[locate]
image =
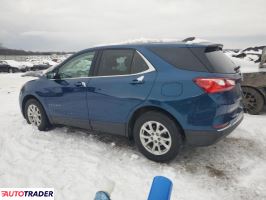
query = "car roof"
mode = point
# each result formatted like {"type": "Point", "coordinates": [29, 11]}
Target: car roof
{"type": "Point", "coordinates": [154, 44]}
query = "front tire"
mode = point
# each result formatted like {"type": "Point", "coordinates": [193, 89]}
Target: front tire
{"type": "Point", "coordinates": [35, 115]}
{"type": "Point", "coordinates": [157, 136]}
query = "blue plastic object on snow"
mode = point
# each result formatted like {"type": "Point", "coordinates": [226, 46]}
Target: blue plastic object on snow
{"type": "Point", "coordinates": [101, 196]}
{"type": "Point", "coordinates": [161, 188]}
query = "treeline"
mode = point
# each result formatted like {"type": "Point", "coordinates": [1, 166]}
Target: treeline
{"type": "Point", "coordinates": [5, 51]}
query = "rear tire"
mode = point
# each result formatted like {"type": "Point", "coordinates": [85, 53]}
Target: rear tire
{"type": "Point", "coordinates": [35, 115]}
{"type": "Point", "coordinates": [253, 101]}
{"type": "Point", "coordinates": [157, 136]}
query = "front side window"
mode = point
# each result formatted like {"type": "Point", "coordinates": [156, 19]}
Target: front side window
{"type": "Point", "coordinates": [77, 67]}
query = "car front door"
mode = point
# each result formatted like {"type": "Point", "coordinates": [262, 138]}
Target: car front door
{"type": "Point", "coordinates": [66, 91]}
{"type": "Point", "coordinates": [122, 80]}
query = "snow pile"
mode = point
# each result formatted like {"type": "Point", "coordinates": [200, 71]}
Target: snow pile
{"type": "Point", "coordinates": [255, 57]}
{"type": "Point", "coordinates": [248, 58]}
{"type": "Point", "coordinates": [14, 63]}
{"type": "Point", "coordinates": [246, 66]}
{"type": "Point", "coordinates": [247, 63]}
{"type": "Point", "coordinates": [193, 40]}
{"type": "Point", "coordinates": [77, 163]}
{"type": "Point", "coordinates": [49, 62]}
{"type": "Point", "coordinates": [31, 61]}
{"type": "Point", "coordinates": [190, 40]}
{"type": "Point", "coordinates": [253, 50]}
{"type": "Point", "coordinates": [140, 41]}
{"type": "Point", "coordinates": [26, 64]}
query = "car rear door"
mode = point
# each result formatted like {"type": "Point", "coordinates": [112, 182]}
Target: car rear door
{"type": "Point", "coordinates": [123, 79]}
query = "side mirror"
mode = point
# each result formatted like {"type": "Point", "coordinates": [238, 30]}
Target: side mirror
{"type": "Point", "coordinates": [52, 75]}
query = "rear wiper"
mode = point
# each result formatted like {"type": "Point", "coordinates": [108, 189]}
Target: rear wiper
{"type": "Point", "coordinates": [237, 68]}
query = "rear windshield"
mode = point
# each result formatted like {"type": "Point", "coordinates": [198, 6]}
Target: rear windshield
{"type": "Point", "coordinates": [181, 58]}
{"type": "Point", "coordinates": [204, 59]}
{"type": "Point", "coordinates": [220, 62]}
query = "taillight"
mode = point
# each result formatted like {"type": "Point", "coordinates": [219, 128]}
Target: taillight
{"type": "Point", "coordinates": [214, 85]}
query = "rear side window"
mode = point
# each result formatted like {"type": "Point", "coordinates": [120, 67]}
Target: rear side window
{"type": "Point", "coordinates": [138, 64]}
{"type": "Point", "coordinates": [115, 62]}
{"type": "Point", "coordinates": [181, 58]}
{"type": "Point", "coordinates": [219, 62]}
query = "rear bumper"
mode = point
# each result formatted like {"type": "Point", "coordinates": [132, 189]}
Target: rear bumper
{"type": "Point", "coordinates": [205, 138]}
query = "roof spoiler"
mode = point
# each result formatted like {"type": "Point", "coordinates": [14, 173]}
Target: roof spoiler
{"type": "Point", "coordinates": [213, 47]}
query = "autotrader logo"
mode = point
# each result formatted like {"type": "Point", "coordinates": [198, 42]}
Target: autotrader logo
{"type": "Point", "coordinates": [26, 193]}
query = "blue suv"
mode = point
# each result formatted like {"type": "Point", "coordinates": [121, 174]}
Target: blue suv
{"type": "Point", "coordinates": [162, 95]}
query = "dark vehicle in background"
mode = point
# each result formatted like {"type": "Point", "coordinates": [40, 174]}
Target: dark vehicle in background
{"type": "Point", "coordinates": [254, 91]}
{"type": "Point", "coordinates": [38, 67]}
{"type": "Point", "coordinates": [6, 67]}
{"type": "Point", "coordinates": [162, 95]}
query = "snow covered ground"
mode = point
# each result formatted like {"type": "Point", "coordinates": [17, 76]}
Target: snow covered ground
{"type": "Point", "coordinates": [77, 163]}
{"type": "Point", "coordinates": [246, 65]}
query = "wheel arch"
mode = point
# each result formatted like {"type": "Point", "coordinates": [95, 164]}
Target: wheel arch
{"type": "Point", "coordinates": [24, 101]}
{"type": "Point", "coordinates": [148, 108]}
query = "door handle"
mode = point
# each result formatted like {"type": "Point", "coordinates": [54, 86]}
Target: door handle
{"type": "Point", "coordinates": [80, 84]}
{"type": "Point", "coordinates": [138, 80]}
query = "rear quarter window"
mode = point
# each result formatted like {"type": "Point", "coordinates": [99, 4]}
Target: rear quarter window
{"type": "Point", "coordinates": [179, 57]}
{"type": "Point", "coordinates": [138, 64]}
{"type": "Point", "coordinates": [219, 62]}
{"type": "Point", "coordinates": [214, 59]}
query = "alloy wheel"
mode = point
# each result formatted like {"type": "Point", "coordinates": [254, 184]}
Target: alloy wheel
{"type": "Point", "coordinates": [155, 138]}
{"type": "Point", "coordinates": [34, 115]}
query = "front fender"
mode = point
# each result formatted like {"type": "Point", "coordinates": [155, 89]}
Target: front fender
{"type": "Point", "coordinates": [28, 91]}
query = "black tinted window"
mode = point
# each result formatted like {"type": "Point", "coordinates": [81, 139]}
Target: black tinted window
{"type": "Point", "coordinates": [115, 62]}
{"type": "Point", "coordinates": [220, 62]}
{"type": "Point", "coordinates": [138, 64]}
{"type": "Point", "coordinates": [181, 58]}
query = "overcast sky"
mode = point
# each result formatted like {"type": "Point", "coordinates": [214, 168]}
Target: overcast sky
{"type": "Point", "coordinates": [67, 25]}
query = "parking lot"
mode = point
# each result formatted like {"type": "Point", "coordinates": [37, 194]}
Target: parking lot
{"type": "Point", "coordinates": [78, 163]}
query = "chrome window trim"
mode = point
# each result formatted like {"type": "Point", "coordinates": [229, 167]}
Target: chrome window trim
{"type": "Point", "coordinates": [150, 66]}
